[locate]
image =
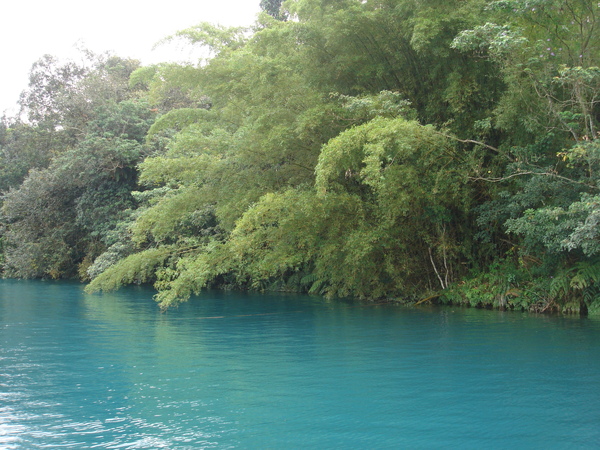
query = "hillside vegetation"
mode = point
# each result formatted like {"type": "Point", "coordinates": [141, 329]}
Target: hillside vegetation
{"type": "Point", "coordinates": [412, 150]}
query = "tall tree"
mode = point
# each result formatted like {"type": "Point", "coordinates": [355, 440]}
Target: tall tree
{"type": "Point", "coordinates": [77, 172]}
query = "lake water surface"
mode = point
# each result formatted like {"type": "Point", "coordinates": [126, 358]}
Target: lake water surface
{"type": "Point", "coordinates": [231, 370]}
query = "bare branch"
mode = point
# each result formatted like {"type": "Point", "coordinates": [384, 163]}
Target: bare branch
{"type": "Point", "coordinates": [519, 174]}
{"type": "Point", "coordinates": [470, 141]}
{"type": "Point", "coordinates": [436, 270]}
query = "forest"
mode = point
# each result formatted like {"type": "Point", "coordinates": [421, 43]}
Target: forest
{"type": "Point", "coordinates": [443, 151]}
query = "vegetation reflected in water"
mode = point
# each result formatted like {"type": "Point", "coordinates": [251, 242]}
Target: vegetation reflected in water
{"type": "Point", "coordinates": [236, 370]}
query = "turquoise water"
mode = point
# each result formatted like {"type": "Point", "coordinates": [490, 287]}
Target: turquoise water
{"type": "Point", "coordinates": [230, 370]}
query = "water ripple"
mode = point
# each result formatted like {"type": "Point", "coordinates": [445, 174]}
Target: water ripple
{"type": "Point", "coordinates": [112, 372]}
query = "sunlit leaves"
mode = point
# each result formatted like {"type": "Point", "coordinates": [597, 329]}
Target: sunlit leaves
{"type": "Point", "coordinates": [135, 269]}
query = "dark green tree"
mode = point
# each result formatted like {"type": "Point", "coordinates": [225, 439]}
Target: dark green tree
{"type": "Point", "coordinates": [273, 8]}
{"type": "Point", "coordinates": [60, 218]}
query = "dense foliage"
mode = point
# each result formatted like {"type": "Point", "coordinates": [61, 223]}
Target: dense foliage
{"type": "Point", "coordinates": [414, 150]}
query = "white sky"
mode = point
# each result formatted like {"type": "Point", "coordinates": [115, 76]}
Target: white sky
{"type": "Point", "coordinates": [128, 28]}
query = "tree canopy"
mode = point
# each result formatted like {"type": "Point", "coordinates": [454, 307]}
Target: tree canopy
{"type": "Point", "coordinates": [386, 149]}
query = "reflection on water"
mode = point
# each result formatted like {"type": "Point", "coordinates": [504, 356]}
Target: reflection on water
{"type": "Point", "coordinates": [231, 370]}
